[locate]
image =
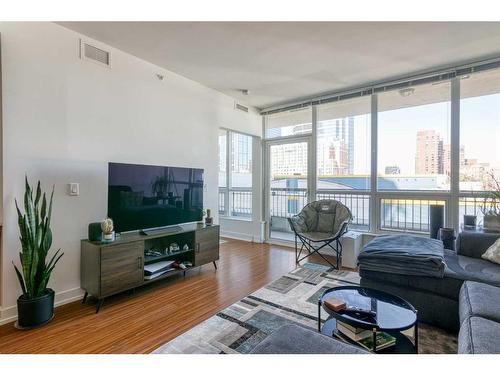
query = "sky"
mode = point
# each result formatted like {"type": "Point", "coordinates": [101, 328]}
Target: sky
{"type": "Point", "coordinates": [480, 132]}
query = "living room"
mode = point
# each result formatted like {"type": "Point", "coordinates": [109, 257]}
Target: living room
{"type": "Point", "coordinates": [194, 186]}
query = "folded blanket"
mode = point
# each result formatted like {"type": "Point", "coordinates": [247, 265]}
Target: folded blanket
{"type": "Point", "coordinates": [405, 255]}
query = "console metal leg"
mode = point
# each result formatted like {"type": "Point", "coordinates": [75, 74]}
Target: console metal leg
{"type": "Point", "coordinates": [215, 264]}
{"type": "Point", "coordinates": [374, 340]}
{"type": "Point", "coordinates": [85, 297]}
{"type": "Point", "coordinates": [99, 305]}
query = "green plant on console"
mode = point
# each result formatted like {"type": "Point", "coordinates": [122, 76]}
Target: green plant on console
{"type": "Point", "coordinates": [36, 240]}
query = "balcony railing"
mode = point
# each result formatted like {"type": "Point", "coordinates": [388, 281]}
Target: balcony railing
{"type": "Point", "coordinates": [409, 214]}
{"type": "Point", "coordinates": [359, 204]}
{"type": "Point", "coordinates": [235, 202]}
{"type": "Point", "coordinates": [475, 205]}
{"type": "Point", "coordinates": [406, 214]}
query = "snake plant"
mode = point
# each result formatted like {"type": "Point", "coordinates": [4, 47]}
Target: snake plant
{"type": "Point", "coordinates": [36, 240]}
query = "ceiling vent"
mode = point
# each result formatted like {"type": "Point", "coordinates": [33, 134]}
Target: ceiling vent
{"type": "Point", "coordinates": [240, 107]}
{"type": "Point", "coordinates": [95, 54]}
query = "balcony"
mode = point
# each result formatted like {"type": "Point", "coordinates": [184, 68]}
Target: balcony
{"type": "Point", "coordinates": [399, 214]}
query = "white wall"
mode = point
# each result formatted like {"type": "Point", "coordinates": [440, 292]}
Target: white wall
{"type": "Point", "coordinates": [64, 119]}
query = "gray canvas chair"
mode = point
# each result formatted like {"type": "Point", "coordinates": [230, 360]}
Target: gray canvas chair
{"type": "Point", "coordinates": [320, 225]}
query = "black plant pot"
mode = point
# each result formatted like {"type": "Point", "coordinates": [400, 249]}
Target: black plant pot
{"type": "Point", "coordinates": [35, 312]}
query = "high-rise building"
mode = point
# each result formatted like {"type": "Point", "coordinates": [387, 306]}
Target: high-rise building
{"type": "Point", "coordinates": [336, 146]}
{"type": "Point", "coordinates": [429, 156]}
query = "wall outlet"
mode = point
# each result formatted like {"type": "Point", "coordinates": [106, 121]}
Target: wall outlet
{"type": "Point", "coordinates": [74, 189]}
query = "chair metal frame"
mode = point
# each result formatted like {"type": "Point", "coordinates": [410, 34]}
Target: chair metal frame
{"type": "Point", "coordinates": [309, 244]}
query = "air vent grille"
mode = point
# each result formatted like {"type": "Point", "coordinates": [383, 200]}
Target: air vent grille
{"type": "Point", "coordinates": [241, 107]}
{"type": "Point", "coordinates": [95, 54]}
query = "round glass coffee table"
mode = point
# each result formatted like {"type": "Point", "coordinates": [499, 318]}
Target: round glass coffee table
{"type": "Point", "coordinates": [389, 314]}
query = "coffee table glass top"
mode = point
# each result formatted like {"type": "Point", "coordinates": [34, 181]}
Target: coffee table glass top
{"type": "Point", "coordinates": [392, 312]}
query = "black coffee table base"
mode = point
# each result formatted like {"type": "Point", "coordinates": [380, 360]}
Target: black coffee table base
{"type": "Point", "coordinates": [403, 343]}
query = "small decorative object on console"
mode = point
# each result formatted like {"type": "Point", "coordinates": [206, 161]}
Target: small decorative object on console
{"type": "Point", "coordinates": [185, 247]}
{"type": "Point", "coordinates": [95, 232]}
{"type": "Point", "coordinates": [174, 247]}
{"type": "Point", "coordinates": [108, 234]}
{"type": "Point", "coordinates": [209, 219]}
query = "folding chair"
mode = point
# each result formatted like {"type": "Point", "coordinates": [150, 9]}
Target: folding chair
{"type": "Point", "coordinates": [320, 225]}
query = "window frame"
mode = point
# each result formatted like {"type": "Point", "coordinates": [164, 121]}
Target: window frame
{"type": "Point", "coordinates": [453, 197]}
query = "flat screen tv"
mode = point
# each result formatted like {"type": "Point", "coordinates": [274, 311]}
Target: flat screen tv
{"type": "Point", "coordinates": [148, 196]}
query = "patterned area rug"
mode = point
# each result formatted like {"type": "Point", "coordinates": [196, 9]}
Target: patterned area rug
{"type": "Point", "coordinates": [293, 299]}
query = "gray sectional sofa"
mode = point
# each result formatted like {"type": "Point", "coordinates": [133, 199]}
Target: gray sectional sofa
{"type": "Point", "coordinates": [467, 299]}
{"type": "Point", "coordinates": [437, 299]}
{"type": "Point", "coordinates": [479, 313]}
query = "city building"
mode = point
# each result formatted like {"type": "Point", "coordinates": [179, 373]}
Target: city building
{"type": "Point", "coordinates": [429, 156]}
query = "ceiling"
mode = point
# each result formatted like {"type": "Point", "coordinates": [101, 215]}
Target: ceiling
{"type": "Point", "coordinates": [280, 62]}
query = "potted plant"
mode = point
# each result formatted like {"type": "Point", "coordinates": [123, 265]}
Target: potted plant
{"type": "Point", "coordinates": [36, 305]}
{"type": "Point", "coordinates": [491, 206]}
{"type": "Point", "coordinates": [107, 227]}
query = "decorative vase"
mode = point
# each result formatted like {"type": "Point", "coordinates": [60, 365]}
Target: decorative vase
{"type": "Point", "coordinates": [35, 312]}
{"type": "Point", "coordinates": [108, 236]}
{"type": "Point", "coordinates": [209, 219]}
{"type": "Point", "coordinates": [491, 223]}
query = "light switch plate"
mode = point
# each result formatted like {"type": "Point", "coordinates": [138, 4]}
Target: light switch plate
{"type": "Point", "coordinates": [74, 189]}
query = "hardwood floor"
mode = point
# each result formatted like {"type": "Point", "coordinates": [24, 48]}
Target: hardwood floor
{"type": "Point", "coordinates": [158, 312]}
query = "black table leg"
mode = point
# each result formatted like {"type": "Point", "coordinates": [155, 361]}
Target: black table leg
{"type": "Point", "coordinates": [374, 340]}
{"type": "Point", "coordinates": [85, 297]}
{"type": "Point", "coordinates": [215, 264]}
{"type": "Point", "coordinates": [416, 336]}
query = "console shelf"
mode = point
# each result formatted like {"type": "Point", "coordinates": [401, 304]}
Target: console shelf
{"type": "Point", "coordinates": [111, 268]}
{"type": "Point", "coordinates": [148, 259]}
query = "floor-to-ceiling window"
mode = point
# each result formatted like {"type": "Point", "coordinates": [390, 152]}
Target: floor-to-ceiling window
{"type": "Point", "coordinates": [393, 150]}
{"type": "Point", "coordinates": [479, 136]}
{"type": "Point", "coordinates": [343, 155]}
{"type": "Point", "coordinates": [413, 153]}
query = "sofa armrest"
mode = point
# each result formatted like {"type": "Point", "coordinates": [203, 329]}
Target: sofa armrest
{"type": "Point", "coordinates": [474, 244]}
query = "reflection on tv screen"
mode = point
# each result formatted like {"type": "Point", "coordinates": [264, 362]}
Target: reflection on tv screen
{"type": "Point", "coordinates": [147, 196]}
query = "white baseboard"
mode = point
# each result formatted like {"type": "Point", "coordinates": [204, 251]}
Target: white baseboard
{"type": "Point", "coordinates": [9, 314]}
{"type": "Point", "coordinates": [239, 236]}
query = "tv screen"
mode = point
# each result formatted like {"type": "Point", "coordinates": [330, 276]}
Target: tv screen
{"type": "Point", "coordinates": [148, 196]}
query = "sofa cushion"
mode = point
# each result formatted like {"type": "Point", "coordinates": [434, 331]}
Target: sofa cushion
{"type": "Point", "coordinates": [479, 336]}
{"type": "Point", "coordinates": [292, 339]}
{"type": "Point", "coordinates": [493, 253]}
{"type": "Point", "coordinates": [478, 299]}
{"type": "Point", "coordinates": [475, 269]}
{"type": "Point", "coordinates": [474, 244]}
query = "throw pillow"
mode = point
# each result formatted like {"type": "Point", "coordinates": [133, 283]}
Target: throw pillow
{"type": "Point", "coordinates": [493, 253]}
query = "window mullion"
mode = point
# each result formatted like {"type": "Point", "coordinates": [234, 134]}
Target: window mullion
{"type": "Point", "coordinates": [374, 203]}
{"type": "Point", "coordinates": [453, 212]}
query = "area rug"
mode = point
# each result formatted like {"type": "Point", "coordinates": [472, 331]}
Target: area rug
{"type": "Point", "coordinates": [293, 299]}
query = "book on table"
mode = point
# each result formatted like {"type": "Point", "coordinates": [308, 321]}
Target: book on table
{"type": "Point", "coordinates": [383, 340]}
{"type": "Point", "coordinates": [364, 337]}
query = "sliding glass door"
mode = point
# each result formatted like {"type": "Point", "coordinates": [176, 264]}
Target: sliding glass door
{"type": "Point", "coordinates": [288, 183]}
